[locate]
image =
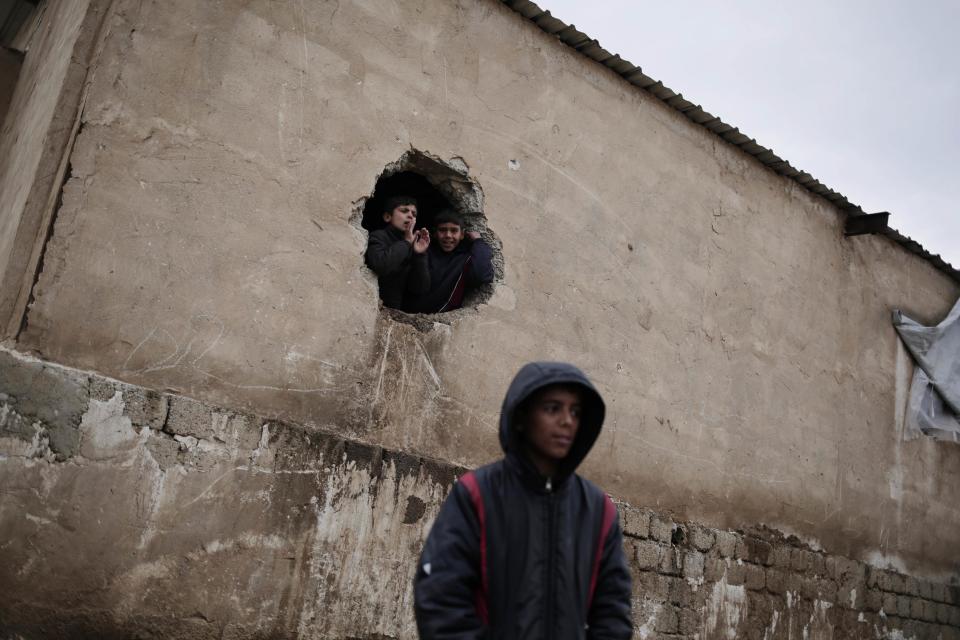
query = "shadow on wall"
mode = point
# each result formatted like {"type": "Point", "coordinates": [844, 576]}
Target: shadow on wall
{"type": "Point", "coordinates": [437, 185]}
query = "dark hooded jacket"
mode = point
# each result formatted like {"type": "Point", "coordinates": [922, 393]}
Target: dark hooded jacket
{"type": "Point", "coordinates": [512, 555]}
{"type": "Point", "coordinates": [453, 274]}
{"type": "Point", "coordinates": [401, 272]}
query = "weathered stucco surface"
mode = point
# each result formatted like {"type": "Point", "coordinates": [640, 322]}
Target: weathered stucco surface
{"type": "Point", "coordinates": [36, 129]}
{"type": "Point", "coordinates": [180, 519]}
{"type": "Point", "coordinates": [174, 518]}
{"type": "Point", "coordinates": [204, 246]}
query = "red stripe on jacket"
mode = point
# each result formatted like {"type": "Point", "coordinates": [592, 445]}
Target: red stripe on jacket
{"type": "Point", "coordinates": [469, 480]}
{"type": "Point", "coordinates": [609, 513]}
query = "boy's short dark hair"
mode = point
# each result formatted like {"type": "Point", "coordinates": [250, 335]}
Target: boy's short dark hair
{"type": "Point", "coordinates": [448, 216]}
{"type": "Point", "coordinates": [393, 202]}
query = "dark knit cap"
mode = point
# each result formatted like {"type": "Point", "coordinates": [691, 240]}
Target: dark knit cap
{"type": "Point", "coordinates": [450, 216]}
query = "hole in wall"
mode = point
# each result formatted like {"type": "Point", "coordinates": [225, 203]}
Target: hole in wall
{"type": "Point", "coordinates": [436, 184]}
{"type": "Point", "coordinates": [679, 535]}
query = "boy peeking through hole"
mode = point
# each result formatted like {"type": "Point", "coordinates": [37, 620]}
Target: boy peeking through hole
{"type": "Point", "coordinates": [420, 275]}
{"type": "Point", "coordinates": [398, 254]}
{"type": "Point", "coordinates": [459, 261]}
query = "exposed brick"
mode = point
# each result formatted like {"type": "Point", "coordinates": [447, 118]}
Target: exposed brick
{"type": "Point", "coordinates": [652, 586]}
{"type": "Point", "coordinates": [681, 593]}
{"type": "Point", "coordinates": [897, 583]}
{"type": "Point", "coordinates": [799, 560]}
{"type": "Point", "coordinates": [809, 588]}
{"type": "Point", "coordinates": [689, 623]}
{"type": "Point", "coordinates": [145, 407]}
{"type": "Point", "coordinates": [889, 622]}
{"type": "Point", "coordinates": [924, 589]}
{"type": "Point", "coordinates": [828, 590]}
{"type": "Point", "coordinates": [758, 550]}
{"type": "Point", "coordinates": [943, 613]}
{"type": "Point", "coordinates": [701, 538]}
{"type": "Point", "coordinates": [855, 570]}
{"type": "Point", "coordinates": [818, 564]}
{"type": "Point", "coordinates": [903, 606]}
{"type": "Point", "coordinates": [780, 557]}
{"type": "Point", "coordinates": [939, 592]}
{"type": "Point", "coordinates": [848, 594]}
{"type": "Point", "coordinates": [929, 611]}
{"type": "Point", "coordinates": [671, 562]}
{"type": "Point", "coordinates": [713, 568]}
{"type": "Point", "coordinates": [756, 577]}
{"type": "Point", "coordinates": [873, 575]}
{"type": "Point", "coordinates": [636, 522]}
{"type": "Point", "coordinates": [726, 543]}
{"type": "Point", "coordinates": [660, 529]}
{"type": "Point", "coordinates": [955, 616]}
{"type": "Point", "coordinates": [908, 628]}
{"type": "Point", "coordinates": [916, 608]}
{"type": "Point", "coordinates": [910, 585]}
{"type": "Point", "coordinates": [776, 581]}
{"type": "Point", "coordinates": [873, 600]}
{"type": "Point", "coordinates": [693, 562]}
{"type": "Point", "coordinates": [834, 567]}
{"type": "Point", "coordinates": [890, 604]}
{"type": "Point", "coordinates": [647, 554]}
{"type": "Point", "coordinates": [667, 620]}
{"type": "Point", "coordinates": [740, 549]}
{"type": "Point", "coordinates": [736, 573]}
{"type": "Point", "coordinates": [953, 595]}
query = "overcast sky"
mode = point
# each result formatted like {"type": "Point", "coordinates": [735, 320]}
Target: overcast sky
{"type": "Point", "coordinates": [864, 95]}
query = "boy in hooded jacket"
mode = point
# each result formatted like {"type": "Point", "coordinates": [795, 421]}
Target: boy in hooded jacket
{"type": "Point", "coordinates": [459, 261]}
{"type": "Point", "coordinates": [397, 254]}
{"type": "Point", "coordinates": [524, 547]}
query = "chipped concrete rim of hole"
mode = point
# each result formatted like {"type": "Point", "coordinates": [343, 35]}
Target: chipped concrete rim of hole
{"type": "Point", "coordinates": [469, 200]}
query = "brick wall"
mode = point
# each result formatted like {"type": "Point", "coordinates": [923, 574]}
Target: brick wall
{"type": "Point", "coordinates": [692, 582]}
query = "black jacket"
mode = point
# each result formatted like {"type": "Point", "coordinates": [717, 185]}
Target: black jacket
{"type": "Point", "coordinates": [453, 274]}
{"type": "Point", "coordinates": [400, 271]}
{"type": "Point", "coordinates": [510, 556]}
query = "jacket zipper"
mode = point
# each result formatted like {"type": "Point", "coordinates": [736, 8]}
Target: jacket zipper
{"type": "Point", "coordinates": [548, 621]}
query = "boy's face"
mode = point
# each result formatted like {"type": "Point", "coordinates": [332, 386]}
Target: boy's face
{"type": "Point", "coordinates": [551, 423]}
{"type": "Point", "coordinates": [448, 235]}
{"type": "Point", "coordinates": [402, 217]}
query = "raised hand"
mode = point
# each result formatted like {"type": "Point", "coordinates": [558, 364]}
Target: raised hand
{"type": "Point", "coordinates": [421, 240]}
{"type": "Point", "coordinates": [473, 235]}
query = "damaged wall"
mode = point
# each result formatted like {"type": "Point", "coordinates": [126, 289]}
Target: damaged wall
{"type": "Point", "coordinates": [157, 497]}
{"type": "Point", "coordinates": [207, 246]}
{"type": "Point", "coordinates": [37, 131]}
{"type": "Point", "coordinates": [743, 342]}
{"type": "Point", "coordinates": [122, 505]}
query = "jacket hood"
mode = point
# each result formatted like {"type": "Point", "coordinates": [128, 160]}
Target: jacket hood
{"type": "Point", "coordinates": [534, 376]}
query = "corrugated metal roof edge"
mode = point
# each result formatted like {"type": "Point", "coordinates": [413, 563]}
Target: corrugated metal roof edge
{"type": "Point", "coordinates": [581, 42]}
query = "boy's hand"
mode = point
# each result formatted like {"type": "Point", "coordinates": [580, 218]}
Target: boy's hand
{"type": "Point", "coordinates": [473, 235]}
{"type": "Point", "coordinates": [408, 233]}
{"type": "Point", "coordinates": [421, 240]}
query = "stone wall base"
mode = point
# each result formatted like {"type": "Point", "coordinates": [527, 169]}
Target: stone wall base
{"type": "Point", "coordinates": [127, 512]}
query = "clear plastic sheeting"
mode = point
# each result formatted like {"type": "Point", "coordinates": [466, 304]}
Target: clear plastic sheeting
{"type": "Point", "coordinates": [934, 404]}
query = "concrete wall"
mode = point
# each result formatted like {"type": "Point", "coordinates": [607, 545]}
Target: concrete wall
{"type": "Point", "coordinates": [36, 134]}
{"type": "Point", "coordinates": [170, 517]}
{"type": "Point", "coordinates": [205, 245]}
{"type": "Point", "coordinates": [174, 518]}
{"type": "Point", "coordinates": [208, 245]}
